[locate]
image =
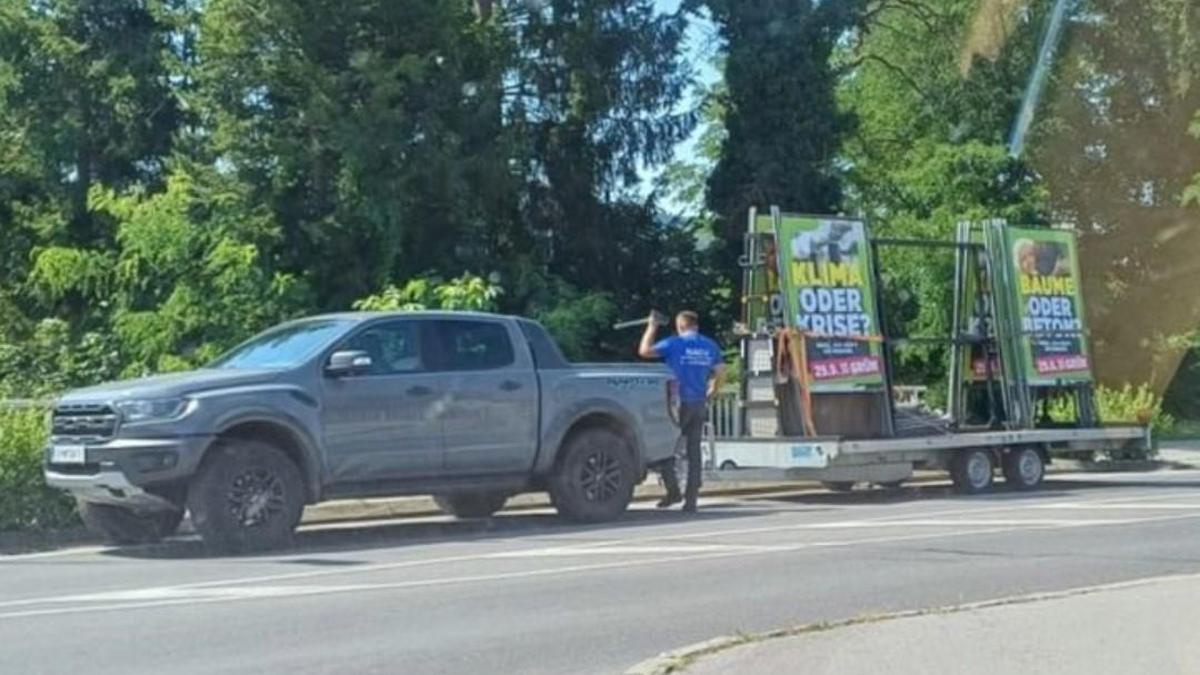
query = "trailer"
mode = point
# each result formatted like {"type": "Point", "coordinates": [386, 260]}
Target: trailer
{"type": "Point", "coordinates": [817, 399]}
{"type": "Point", "coordinates": [971, 458]}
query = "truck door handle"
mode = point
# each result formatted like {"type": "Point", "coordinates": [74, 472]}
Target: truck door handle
{"type": "Point", "coordinates": [509, 385]}
{"type": "Point", "coordinates": [418, 390]}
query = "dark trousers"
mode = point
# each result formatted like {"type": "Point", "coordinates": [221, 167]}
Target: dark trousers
{"type": "Point", "coordinates": [691, 422]}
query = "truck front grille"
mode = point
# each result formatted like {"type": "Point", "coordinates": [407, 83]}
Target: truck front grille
{"type": "Point", "coordinates": [84, 420]}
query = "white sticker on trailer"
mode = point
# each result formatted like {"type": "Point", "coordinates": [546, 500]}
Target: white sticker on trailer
{"type": "Point", "coordinates": [809, 455]}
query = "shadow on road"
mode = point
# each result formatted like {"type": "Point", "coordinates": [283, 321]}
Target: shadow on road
{"type": "Point", "coordinates": [417, 531]}
{"type": "Point", "coordinates": [404, 532]}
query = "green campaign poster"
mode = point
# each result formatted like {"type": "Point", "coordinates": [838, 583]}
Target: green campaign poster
{"type": "Point", "coordinates": [1045, 271]}
{"type": "Point", "coordinates": [829, 293]}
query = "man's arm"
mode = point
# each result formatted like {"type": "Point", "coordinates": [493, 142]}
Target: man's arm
{"type": "Point", "coordinates": [716, 378]}
{"type": "Point", "coordinates": [646, 347]}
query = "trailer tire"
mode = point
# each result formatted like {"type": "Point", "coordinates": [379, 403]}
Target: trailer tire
{"type": "Point", "coordinates": [1024, 468]}
{"type": "Point", "coordinates": [838, 485]}
{"type": "Point", "coordinates": [972, 471]}
{"type": "Point", "coordinates": [595, 476]}
{"type": "Point", "coordinates": [891, 484]}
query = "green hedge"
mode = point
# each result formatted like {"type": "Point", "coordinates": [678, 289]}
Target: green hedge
{"type": "Point", "coordinates": [25, 501]}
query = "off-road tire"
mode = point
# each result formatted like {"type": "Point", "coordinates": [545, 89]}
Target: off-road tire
{"type": "Point", "coordinates": [594, 476]}
{"type": "Point", "coordinates": [248, 496]}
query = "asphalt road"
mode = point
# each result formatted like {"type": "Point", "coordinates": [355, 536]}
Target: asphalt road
{"type": "Point", "coordinates": [524, 593]}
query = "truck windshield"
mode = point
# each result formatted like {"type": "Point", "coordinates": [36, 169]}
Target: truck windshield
{"type": "Point", "coordinates": [283, 346]}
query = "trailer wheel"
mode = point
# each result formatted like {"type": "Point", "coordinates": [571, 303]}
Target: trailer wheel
{"type": "Point", "coordinates": [838, 485]}
{"type": "Point", "coordinates": [1024, 468]}
{"type": "Point", "coordinates": [972, 471]}
{"type": "Point", "coordinates": [891, 484]}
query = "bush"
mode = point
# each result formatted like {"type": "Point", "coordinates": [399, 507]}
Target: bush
{"type": "Point", "coordinates": [26, 503]}
{"type": "Point", "coordinates": [1134, 405]}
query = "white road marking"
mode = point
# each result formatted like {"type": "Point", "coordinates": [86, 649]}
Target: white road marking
{"type": "Point", "coordinates": [298, 591]}
{"type": "Point", "coordinates": [968, 522]}
{"type": "Point", "coordinates": [226, 593]}
{"type": "Point", "coordinates": [602, 549]}
{"type": "Point", "coordinates": [78, 550]}
{"type": "Point", "coordinates": [1085, 506]}
{"type": "Point", "coordinates": [661, 537]}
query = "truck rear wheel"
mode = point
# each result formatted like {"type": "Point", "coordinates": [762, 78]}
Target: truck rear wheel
{"type": "Point", "coordinates": [972, 471]}
{"type": "Point", "coordinates": [119, 525]}
{"type": "Point", "coordinates": [248, 496]}
{"type": "Point", "coordinates": [1024, 468]}
{"type": "Point", "coordinates": [471, 504]}
{"type": "Point", "coordinates": [595, 476]}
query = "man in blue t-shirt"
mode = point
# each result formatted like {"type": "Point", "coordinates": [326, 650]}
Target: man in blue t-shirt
{"type": "Point", "coordinates": [696, 362]}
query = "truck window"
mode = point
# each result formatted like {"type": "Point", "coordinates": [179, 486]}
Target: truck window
{"type": "Point", "coordinates": [463, 344]}
{"type": "Point", "coordinates": [546, 354]}
{"type": "Point", "coordinates": [393, 347]}
{"type": "Point", "coordinates": [283, 346]}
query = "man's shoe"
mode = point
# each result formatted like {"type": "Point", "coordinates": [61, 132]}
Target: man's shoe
{"type": "Point", "coordinates": [689, 507]}
{"type": "Point", "coordinates": [669, 500]}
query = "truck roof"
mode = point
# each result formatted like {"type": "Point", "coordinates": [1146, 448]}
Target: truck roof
{"type": "Point", "coordinates": [419, 314]}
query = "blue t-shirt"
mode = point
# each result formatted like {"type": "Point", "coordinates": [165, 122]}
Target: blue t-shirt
{"type": "Point", "coordinates": [692, 357]}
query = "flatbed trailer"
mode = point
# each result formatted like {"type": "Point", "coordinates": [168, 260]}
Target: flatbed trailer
{"type": "Point", "coordinates": [971, 457]}
{"type": "Point", "coordinates": [818, 357]}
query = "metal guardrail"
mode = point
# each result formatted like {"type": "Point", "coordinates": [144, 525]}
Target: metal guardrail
{"type": "Point", "coordinates": [725, 419]}
{"type": "Point", "coordinates": [24, 403]}
{"type": "Point", "coordinates": [724, 415]}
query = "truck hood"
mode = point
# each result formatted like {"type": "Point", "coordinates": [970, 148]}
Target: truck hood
{"type": "Point", "coordinates": [169, 386]}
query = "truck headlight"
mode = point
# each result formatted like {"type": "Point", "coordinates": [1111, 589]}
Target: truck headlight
{"type": "Point", "coordinates": [152, 410]}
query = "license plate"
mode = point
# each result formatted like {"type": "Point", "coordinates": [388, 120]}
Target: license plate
{"type": "Point", "coordinates": [68, 454]}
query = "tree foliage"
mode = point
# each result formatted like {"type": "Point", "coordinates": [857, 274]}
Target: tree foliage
{"type": "Point", "coordinates": [783, 127]}
{"type": "Point", "coordinates": [177, 175]}
{"type": "Point", "coordinates": [1116, 158]}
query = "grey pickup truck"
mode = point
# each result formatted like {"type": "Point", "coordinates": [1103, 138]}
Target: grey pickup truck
{"type": "Point", "coordinates": [470, 408]}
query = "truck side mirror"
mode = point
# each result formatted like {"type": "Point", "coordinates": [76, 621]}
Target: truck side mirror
{"type": "Point", "coordinates": [347, 362]}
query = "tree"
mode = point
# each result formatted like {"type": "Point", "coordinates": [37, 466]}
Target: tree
{"type": "Point", "coordinates": [593, 98]}
{"type": "Point", "coordinates": [783, 128]}
{"type": "Point", "coordinates": [187, 279]}
{"type": "Point", "coordinates": [934, 103]}
{"type": "Point", "coordinates": [372, 130]}
{"type": "Point", "coordinates": [84, 101]}
{"type": "Point", "coordinates": [1117, 160]}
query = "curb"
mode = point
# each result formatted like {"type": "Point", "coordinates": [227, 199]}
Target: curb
{"type": "Point", "coordinates": [677, 661]}
{"type": "Point", "coordinates": [351, 513]}
{"type": "Point", "coordinates": [355, 513]}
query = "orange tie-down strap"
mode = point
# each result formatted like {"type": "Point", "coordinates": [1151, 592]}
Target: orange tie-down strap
{"type": "Point", "coordinates": [794, 342]}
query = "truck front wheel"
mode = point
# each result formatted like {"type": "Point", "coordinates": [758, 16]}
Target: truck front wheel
{"type": "Point", "coordinates": [248, 496]}
{"type": "Point", "coordinates": [595, 476]}
{"type": "Point", "coordinates": [471, 504]}
{"type": "Point", "coordinates": [119, 525]}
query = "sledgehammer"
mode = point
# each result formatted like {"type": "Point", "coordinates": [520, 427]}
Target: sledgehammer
{"type": "Point", "coordinates": [659, 318]}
